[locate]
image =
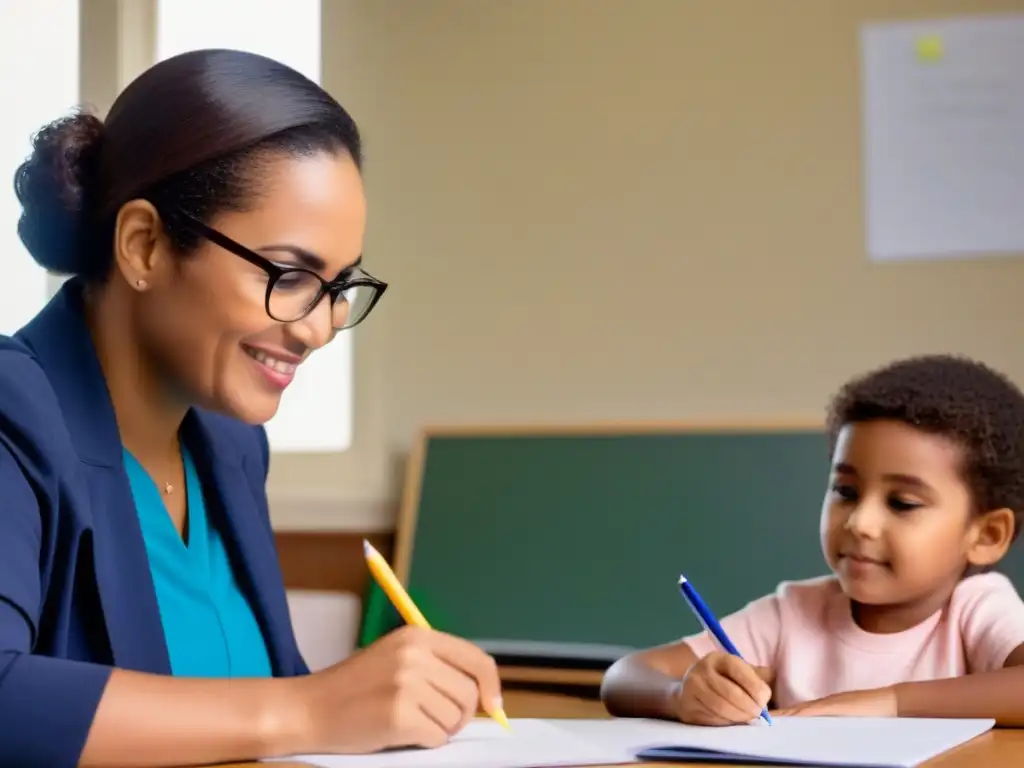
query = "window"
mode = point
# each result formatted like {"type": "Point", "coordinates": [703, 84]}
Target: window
{"type": "Point", "coordinates": [38, 83]}
{"type": "Point", "coordinates": [316, 410]}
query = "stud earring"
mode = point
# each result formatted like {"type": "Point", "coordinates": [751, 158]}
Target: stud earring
{"type": "Point", "coordinates": [140, 284]}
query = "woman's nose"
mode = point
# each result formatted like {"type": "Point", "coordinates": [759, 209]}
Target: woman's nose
{"type": "Point", "coordinates": [317, 328]}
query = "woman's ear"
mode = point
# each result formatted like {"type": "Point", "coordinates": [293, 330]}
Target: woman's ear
{"type": "Point", "coordinates": [138, 244]}
{"type": "Point", "coordinates": [990, 537]}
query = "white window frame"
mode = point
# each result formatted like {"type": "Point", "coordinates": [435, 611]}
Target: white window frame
{"type": "Point", "coordinates": [316, 411]}
{"type": "Point", "coordinates": [39, 82]}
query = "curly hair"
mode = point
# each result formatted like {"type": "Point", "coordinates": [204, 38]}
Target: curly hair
{"type": "Point", "coordinates": [960, 399]}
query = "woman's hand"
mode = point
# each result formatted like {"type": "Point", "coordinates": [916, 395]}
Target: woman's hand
{"type": "Point", "coordinates": [412, 688]}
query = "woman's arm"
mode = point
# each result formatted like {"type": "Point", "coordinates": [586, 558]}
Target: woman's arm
{"type": "Point", "coordinates": [151, 720]}
{"type": "Point", "coordinates": [57, 711]}
{"type": "Point", "coordinates": [414, 687]}
{"type": "Point", "coordinates": [49, 715]}
{"type": "Point", "coordinates": [646, 683]}
{"type": "Point", "coordinates": [998, 694]}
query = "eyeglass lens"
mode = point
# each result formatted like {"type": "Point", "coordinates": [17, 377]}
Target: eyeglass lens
{"type": "Point", "coordinates": [294, 293]}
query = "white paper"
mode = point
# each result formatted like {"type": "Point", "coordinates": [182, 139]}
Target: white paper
{"type": "Point", "coordinates": [943, 121]}
{"type": "Point", "coordinates": [820, 741]}
{"type": "Point", "coordinates": [484, 744]}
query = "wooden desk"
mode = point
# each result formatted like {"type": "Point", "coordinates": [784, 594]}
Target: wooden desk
{"type": "Point", "coordinates": [996, 749]}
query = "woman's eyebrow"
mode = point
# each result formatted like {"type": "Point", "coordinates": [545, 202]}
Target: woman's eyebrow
{"type": "Point", "coordinates": [354, 265]}
{"type": "Point", "coordinates": [306, 258]}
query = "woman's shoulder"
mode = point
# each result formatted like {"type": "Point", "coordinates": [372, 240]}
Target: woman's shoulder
{"type": "Point", "coordinates": [28, 403]}
{"type": "Point", "coordinates": [23, 382]}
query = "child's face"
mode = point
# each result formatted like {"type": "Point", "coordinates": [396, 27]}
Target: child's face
{"type": "Point", "coordinates": [896, 524]}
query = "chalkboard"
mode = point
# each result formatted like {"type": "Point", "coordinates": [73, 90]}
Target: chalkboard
{"type": "Point", "coordinates": [575, 539]}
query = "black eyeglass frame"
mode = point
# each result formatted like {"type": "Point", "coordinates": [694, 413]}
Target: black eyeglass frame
{"type": "Point", "coordinates": [333, 288]}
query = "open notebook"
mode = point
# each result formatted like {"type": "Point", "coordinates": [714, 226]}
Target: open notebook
{"type": "Point", "coordinates": [831, 742]}
{"type": "Point", "coordinates": [838, 742]}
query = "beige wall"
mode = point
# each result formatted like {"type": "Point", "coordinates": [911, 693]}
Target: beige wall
{"type": "Point", "coordinates": [601, 209]}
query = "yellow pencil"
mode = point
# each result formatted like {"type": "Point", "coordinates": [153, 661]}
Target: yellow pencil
{"type": "Point", "coordinates": [396, 593]}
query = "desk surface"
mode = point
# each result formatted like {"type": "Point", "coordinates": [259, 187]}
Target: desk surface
{"type": "Point", "coordinates": [996, 749]}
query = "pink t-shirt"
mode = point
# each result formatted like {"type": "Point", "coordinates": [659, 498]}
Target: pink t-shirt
{"type": "Point", "coordinates": [806, 633]}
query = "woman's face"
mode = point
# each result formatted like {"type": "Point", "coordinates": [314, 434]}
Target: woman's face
{"type": "Point", "coordinates": [203, 320]}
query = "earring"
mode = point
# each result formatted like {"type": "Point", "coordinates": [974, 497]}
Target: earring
{"type": "Point", "coordinates": [140, 284]}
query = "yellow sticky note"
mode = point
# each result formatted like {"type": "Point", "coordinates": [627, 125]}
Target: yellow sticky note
{"type": "Point", "coordinates": [929, 48]}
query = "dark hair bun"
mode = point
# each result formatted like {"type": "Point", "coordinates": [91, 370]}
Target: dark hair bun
{"type": "Point", "coordinates": [56, 188]}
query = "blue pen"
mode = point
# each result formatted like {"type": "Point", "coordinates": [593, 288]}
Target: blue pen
{"type": "Point", "coordinates": [707, 618]}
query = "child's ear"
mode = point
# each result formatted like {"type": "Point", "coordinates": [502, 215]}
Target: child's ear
{"type": "Point", "coordinates": [990, 537]}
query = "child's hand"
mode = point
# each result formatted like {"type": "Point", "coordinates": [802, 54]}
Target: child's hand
{"type": "Point", "coordinates": [722, 689]}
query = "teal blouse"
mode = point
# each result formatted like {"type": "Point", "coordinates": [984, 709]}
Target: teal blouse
{"type": "Point", "coordinates": [209, 626]}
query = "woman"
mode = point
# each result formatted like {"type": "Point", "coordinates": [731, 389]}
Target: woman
{"type": "Point", "coordinates": [214, 225]}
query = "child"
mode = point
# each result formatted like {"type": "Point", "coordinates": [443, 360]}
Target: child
{"type": "Point", "coordinates": [925, 495]}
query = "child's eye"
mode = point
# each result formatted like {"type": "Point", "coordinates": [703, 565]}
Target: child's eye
{"type": "Point", "coordinates": [897, 504]}
{"type": "Point", "coordinates": [845, 492]}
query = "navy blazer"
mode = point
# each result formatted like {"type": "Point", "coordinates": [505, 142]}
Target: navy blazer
{"type": "Point", "coordinates": [76, 595]}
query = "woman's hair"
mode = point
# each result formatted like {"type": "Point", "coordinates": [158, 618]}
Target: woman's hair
{"type": "Point", "coordinates": [190, 135]}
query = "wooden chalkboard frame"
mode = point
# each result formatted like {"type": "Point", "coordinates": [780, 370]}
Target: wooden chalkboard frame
{"type": "Point", "coordinates": [408, 513]}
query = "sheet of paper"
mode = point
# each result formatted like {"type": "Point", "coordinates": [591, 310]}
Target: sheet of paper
{"type": "Point", "coordinates": [943, 117]}
{"type": "Point", "coordinates": [484, 744]}
{"type": "Point", "coordinates": [819, 741]}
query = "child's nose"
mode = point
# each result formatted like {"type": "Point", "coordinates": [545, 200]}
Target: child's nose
{"type": "Point", "coordinates": [867, 519]}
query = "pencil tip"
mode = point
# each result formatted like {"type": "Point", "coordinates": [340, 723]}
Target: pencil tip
{"type": "Point", "coordinates": [499, 715]}
{"type": "Point", "coordinates": [367, 547]}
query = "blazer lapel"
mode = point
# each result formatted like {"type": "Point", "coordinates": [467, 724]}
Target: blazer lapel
{"type": "Point", "coordinates": [126, 586]}
{"type": "Point", "coordinates": [60, 339]}
{"type": "Point", "coordinates": [235, 509]}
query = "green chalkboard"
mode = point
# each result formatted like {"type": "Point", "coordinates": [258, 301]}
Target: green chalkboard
{"type": "Point", "coordinates": [580, 538]}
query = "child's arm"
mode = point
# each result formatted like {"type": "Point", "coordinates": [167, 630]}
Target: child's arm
{"type": "Point", "coordinates": [646, 683]}
{"type": "Point", "coordinates": [990, 615]}
{"type": "Point", "coordinates": [991, 619]}
{"type": "Point", "coordinates": [992, 627]}
{"type": "Point", "coordinates": [998, 694]}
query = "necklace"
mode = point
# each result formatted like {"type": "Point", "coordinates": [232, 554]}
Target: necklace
{"type": "Point", "coordinates": [168, 489]}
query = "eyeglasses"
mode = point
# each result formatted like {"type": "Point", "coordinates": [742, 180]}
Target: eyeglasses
{"type": "Point", "coordinates": [294, 292]}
